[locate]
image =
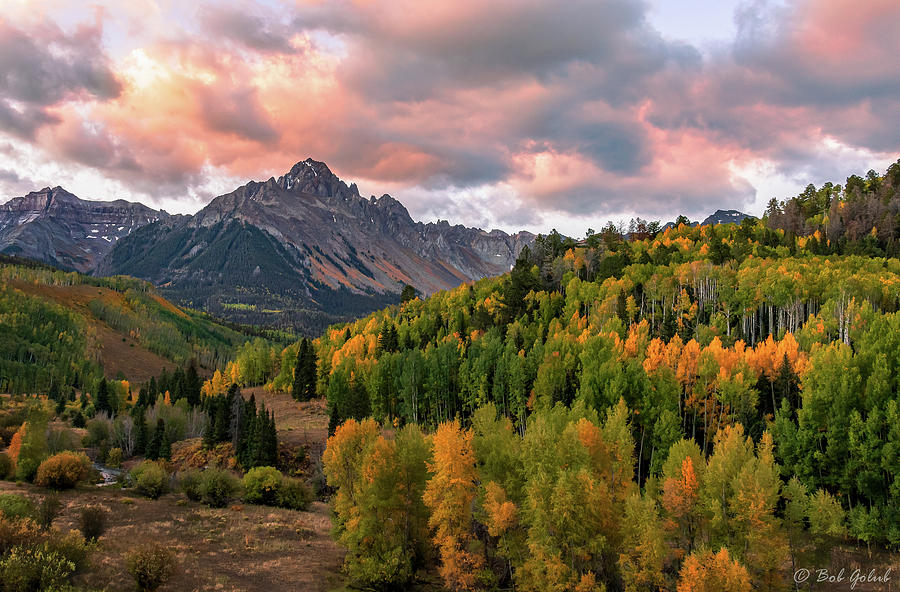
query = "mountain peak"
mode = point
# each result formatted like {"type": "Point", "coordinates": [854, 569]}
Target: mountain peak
{"type": "Point", "coordinates": [726, 217]}
{"type": "Point", "coordinates": [315, 178]}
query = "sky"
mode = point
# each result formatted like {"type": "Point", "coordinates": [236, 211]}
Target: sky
{"type": "Point", "coordinates": [524, 114]}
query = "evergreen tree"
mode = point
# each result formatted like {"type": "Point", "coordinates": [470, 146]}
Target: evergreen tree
{"type": "Point", "coordinates": [305, 372]}
{"type": "Point", "coordinates": [140, 430]}
{"type": "Point", "coordinates": [237, 423]}
{"type": "Point", "coordinates": [102, 399]}
{"type": "Point", "coordinates": [221, 422]}
{"type": "Point", "coordinates": [155, 446]}
{"type": "Point", "coordinates": [165, 447]}
{"type": "Point", "coordinates": [271, 441]}
{"type": "Point", "coordinates": [388, 340]}
{"type": "Point", "coordinates": [143, 398]}
{"type": "Point", "coordinates": [408, 293]}
{"type": "Point", "coordinates": [178, 385]}
{"type": "Point", "coordinates": [192, 385]}
{"type": "Point", "coordinates": [209, 429]}
{"type": "Point", "coordinates": [786, 383]}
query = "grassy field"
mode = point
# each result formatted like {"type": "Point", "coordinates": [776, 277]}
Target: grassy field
{"type": "Point", "coordinates": [239, 548]}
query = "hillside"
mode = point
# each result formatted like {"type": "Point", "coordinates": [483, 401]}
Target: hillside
{"type": "Point", "coordinates": [65, 328]}
{"type": "Point", "coordinates": [305, 250]}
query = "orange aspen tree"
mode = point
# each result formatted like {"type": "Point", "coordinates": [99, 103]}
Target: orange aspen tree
{"type": "Point", "coordinates": [713, 572]}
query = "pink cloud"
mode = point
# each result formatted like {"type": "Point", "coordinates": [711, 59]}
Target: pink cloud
{"type": "Point", "coordinates": [577, 108]}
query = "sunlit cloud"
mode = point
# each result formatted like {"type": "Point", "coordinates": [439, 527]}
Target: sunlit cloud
{"type": "Point", "coordinates": [508, 114]}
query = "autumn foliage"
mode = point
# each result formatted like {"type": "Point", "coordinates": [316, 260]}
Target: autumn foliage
{"type": "Point", "coordinates": [63, 470]}
{"type": "Point", "coordinates": [449, 496]}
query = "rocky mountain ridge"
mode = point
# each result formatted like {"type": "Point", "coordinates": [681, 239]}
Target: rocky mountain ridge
{"type": "Point", "coordinates": [56, 227]}
{"type": "Point", "coordinates": [306, 242]}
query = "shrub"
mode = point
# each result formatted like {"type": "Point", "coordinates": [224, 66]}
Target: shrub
{"type": "Point", "coordinates": [92, 522]}
{"type": "Point", "coordinates": [27, 568]}
{"type": "Point", "coordinates": [6, 466]}
{"type": "Point", "coordinates": [189, 482]}
{"type": "Point", "coordinates": [217, 487]}
{"type": "Point", "coordinates": [16, 506]}
{"type": "Point", "coordinates": [267, 486]}
{"type": "Point", "coordinates": [150, 479]}
{"type": "Point", "coordinates": [71, 545]}
{"type": "Point", "coordinates": [261, 485]}
{"type": "Point", "coordinates": [114, 458]}
{"type": "Point", "coordinates": [97, 432]}
{"type": "Point", "coordinates": [48, 511]}
{"type": "Point", "coordinates": [15, 532]}
{"type": "Point", "coordinates": [150, 566]}
{"type": "Point", "coordinates": [63, 470]}
{"type": "Point", "coordinates": [294, 494]}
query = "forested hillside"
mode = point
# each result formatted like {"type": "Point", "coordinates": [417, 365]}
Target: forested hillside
{"type": "Point", "coordinates": [62, 330]}
{"type": "Point", "coordinates": [701, 403]}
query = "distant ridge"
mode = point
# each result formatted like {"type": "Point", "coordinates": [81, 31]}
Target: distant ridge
{"type": "Point", "coordinates": [718, 217]}
{"type": "Point", "coordinates": [56, 227]}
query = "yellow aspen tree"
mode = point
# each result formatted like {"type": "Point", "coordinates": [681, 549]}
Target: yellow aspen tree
{"type": "Point", "coordinates": [449, 496]}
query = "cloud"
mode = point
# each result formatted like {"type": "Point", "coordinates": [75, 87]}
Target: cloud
{"type": "Point", "coordinates": [235, 110]}
{"type": "Point", "coordinates": [42, 66]}
{"type": "Point", "coordinates": [248, 26]}
{"type": "Point", "coordinates": [503, 112]}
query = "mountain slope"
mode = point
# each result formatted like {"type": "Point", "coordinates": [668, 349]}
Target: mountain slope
{"type": "Point", "coordinates": [66, 329]}
{"type": "Point", "coordinates": [305, 249]}
{"type": "Point", "coordinates": [56, 227]}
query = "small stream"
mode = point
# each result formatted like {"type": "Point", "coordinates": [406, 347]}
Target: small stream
{"type": "Point", "coordinates": [109, 474]}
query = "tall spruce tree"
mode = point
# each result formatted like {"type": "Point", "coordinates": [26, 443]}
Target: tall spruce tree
{"type": "Point", "coordinates": [140, 429]}
{"type": "Point", "coordinates": [101, 402]}
{"type": "Point", "coordinates": [192, 385]}
{"type": "Point", "coordinates": [237, 424]}
{"type": "Point", "coordinates": [305, 372]}
{"type": "Point", "coordinates": [155, 446]}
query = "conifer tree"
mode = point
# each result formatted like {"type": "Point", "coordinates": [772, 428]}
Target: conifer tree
{"type": "Point", "coordinates": [408, 293]}
{"type": "Point", "coordinates": [237, 425]}
{"type": "Point", "coordinates": [192, 385]}
{"type": "Point", "coordinates": [165, 447]}
{"type": "Point", "coordinates": [305, 372]}
{"type": "Point", "coordinates": [102, 402]}
{"type": "Point", "coordinates": [155, 446]}
{"type": "Point", "coordinates": [140, 430]}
